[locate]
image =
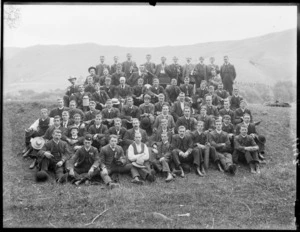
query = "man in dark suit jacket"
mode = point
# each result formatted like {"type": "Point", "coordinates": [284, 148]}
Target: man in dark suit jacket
{"type": "Point", "coordinates": [58, 110]}
{"type": "Point", "coordinates": [175, 70]}
{"type": "Point", "coordinates": [109, 88]}
{"type": "Point", "coordinates": [187, 88]}
{"type": "Point", "coordinates": [222, 94]}
{"type": "Point", "coordinates": [220, 140]}
{"type": "Point", "coordinates": [74, 110]}
{"type": "Point", "coordinates": [56, 126]}
{"type": "Point", "coordinates": [90, 86]}
{"type": "Point", "coordinates": [119, 131]}
{"type": "Point", "coordinates": [138, 92]}
{"type": "Point", "coordinates": [71, 90]}
{"type": "Point", "coordinates": [92, 72]}
{"type": "Point", "coordinates": [172, 91]}
{"type": "Point", "coordinates": [200, 72]}
{"type": "Point", "coordinates": [123, 90]}
{"type": "Point", "coordinates": [100, 97]}
{"type": "Point", "coordinates": [199, 96]}
{"type": "Point", "coordinates": [209, 122]}
{"type": "Point", "coordinates": [235, 100]}
{"type": "Point", "coordinates": [129, 66]}
{"type": "Point", "coordinates": [162, 72]}
{"type": "Point", "coordinates": [114, 67]}
{"type": "Point", "coordinates": [129, 111]}
{"type": "Point", "coordinates": [150, 69]}
{"type": "Point", "coordinates": [227, 111]}
{"type": "Point", "coordinates": [215, 99]}
{"type": "Point", "coordinates": [109, 113]}
{"type": "Point", "coordinates": [77, 121]}
{"type": "Point", "coordinates": [141, 73]}
{"type": "Point", "coordinates": [188, 70]}
{"type": "Point", "coordinates": [78, 97]}
{"type": "Point", "coordinates": [228, 75]}
{"type": "Point", "coordinates": [129, 135]}
{"type": "Point", "coordinates": [155, 90]}
{"type": "Point", "coordinates": [187, 121]}
{"type": "Point", "coordinates": [100, 67]}
{"type": "Point", "coordinates": [210, 67]}
{"type": "Point", "coordinates": [210, 109]}
{"type": "Point", "coordinates": [178, 107]}
{"type": "Point", "coordinates": [66, 121]}
{"type": "Point", "coordinates": [115, 77]}
{"type": "Point", "coordinates": [99, 132]}
{"type": "Point", "coordinates": [239, 113]}
{"type": "Point", "coordinates": [159, 105]}
{"type": "Point", "coordinates": [91, 114]}
{"type": "Point", "coordinates": [182, 151]}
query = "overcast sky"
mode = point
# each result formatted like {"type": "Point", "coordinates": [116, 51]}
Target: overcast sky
{"type": "Point", "coordinates": [145, 25]}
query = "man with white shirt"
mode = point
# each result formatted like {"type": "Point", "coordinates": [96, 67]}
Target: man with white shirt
{"type": "Point", "coordinates": [228, 75]}
{"type": "Point", "coordinates": [141, 73]}
{"type": "Point", "coordinates": [130, 134]}
{"type": "Point", "coordinates": [66, 122]}
{"type": "Point", "coordinates": [59, 109]}
{"type": "Point", "coordinates": [138, 155]}
{"type": "Point", "coordinates": [245, 148]}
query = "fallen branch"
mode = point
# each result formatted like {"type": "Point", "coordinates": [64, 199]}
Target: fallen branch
{"type": "Point", "coordinates": [97, 216]}
{"type": "Point", "coordinates": [247, 207]}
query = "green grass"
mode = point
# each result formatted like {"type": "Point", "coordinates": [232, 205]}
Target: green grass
{"type": "Point", "coordinates": [217, 201]}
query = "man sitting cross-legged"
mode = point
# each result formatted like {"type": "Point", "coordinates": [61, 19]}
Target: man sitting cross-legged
{"type": "Point", "coordinates": [86, 164]}
{"type": "Point", "coordinates": [161, 156]}
{"type": "Point", "coordinates": [52, 156]}
{"type": "Point", "coordinates": [138, 154]}
{"type": "Point", "coordinates": [246, 148]}
{"type": "Point", "coordinates": [201, 141]}
{"type": "Point", "coordinates": [182, 151]}
{"type": "Point", "coordinates": [220, 140]}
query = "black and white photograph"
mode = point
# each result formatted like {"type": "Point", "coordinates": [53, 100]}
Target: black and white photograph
{"type": "Point", "coordinates": [149, 115]}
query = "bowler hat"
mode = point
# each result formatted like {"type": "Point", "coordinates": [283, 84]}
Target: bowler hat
{"type": "Point", "coordinates": [41, 176]}
{"type": "Point", "coordinates": [37, 143]}
{"type": "Point", "coordinates": [261, 139]}
{"type": "Point", "coordinates": [91, 68]}
{"type": "Point", "coordinates": [145, 122]}
{"type": "Point", "coordinates": [72, 77]}
{"type": "Point", "coordinates": [139, 163]}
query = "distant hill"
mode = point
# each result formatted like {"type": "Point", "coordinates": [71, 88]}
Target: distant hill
{"type": "Point", "coordinates": [265, 59]}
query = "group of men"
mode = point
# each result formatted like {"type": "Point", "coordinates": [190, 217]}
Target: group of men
{"type": "Point", "coordinates": [144, 121]}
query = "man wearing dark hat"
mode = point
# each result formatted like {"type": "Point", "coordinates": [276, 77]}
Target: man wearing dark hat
{"type": "Point", "coordinates": [162, 72]}
{"type": "Point", "coordinates": [129, 66]}
{"type": "Point", "coordinates": [129, 111]}
{"type": "Point", "coordinates": [114, 67]}
{"type": "Point", "coordinates": [175, 70]}
{"type": "Point", "coordinates": [115, 77]}
{"type": "Point", "coordinates": [187, 88]}
{"type": "Point", "coordinates": [141, 73]}
{"type": "Point", "coordinates": [146, 113]}
{"type": "Point", "coordinates": [99, 97]}
{"type": "Point", "coordinates": [172, 91]}
{"type": "Point", "coordinates": [92, 71]}
{"type": "Point", "coordinates": [187, 121]}
{"type": "Point", "coordinates": [227, 111]}
{"type": "Point", "coordinates": [52, 156]}
{"type": "Point", "coordinates": [71, 90]}
{"type": "Point", "coordinates": [223, 158]}
{"type": "Point", "coordinates": [212, 66]}
{"type": "Point", "coordinates": [209, 122]}
{"type": "Point", "coordinates": [138, 155]}
{"type": "Point", "coordinates": [149, 66]}
{"type": "Point", "coordinates": [178, 107]}
{"type": "Point", "coordinates": [161, 156]}
{"type": "Point", "coordinates": [109, 113]}
{"type": "Point", "coordinates": [58, 110]}
{"type": "Point", "coordinates": [100, 67]}
{"type": "Point", "coordinates": [123, 90]}
{"type": "Point", "coordinates": [113, 159]}
{"type": "Point", "coordinates": [99, 132]}
{"type": "Point", "coordinates": [182, 151]}
{"type": "Point", "coordinates": [130, 134]}
{"type": "Point", "coordinates": [119, 131]}
{"type": "Point", "coordinates": [228, 75]}
{"type": "Point", "coordinates": [245, 148]}
{"type": "Point", "coordinates": [200, 72]}
{"type": "Point", "coordinates": [109, 88]}
{"type": "Point", "coordinates": [155, 90]}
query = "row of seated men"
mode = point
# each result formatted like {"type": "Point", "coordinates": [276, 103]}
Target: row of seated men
{"type": "Point", "coordinates": [186, 133]}
{"type": "Point", "coordinates": [163, 71]}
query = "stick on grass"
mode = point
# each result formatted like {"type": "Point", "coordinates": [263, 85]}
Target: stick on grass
{"type": "Point", "coordinates": [97, 216]}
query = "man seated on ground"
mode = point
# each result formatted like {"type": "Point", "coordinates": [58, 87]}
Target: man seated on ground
{"type": "Point", "coordinates": [162, 128]}
{"type": "Point", "coordinates": [187, 121]}
{"type": "Point", "coordinates": [75, 142]}
{"type": "Point", "coordinates": [37, 129]}
{"type": "Point", "coordinates": [99, 132]}
{"type": "Point", "coordinates": [52, 157]}
{"type": "Point", "coordinates": [147, 113]}
{"type": "Point", "coordinates": [228, 127]}
{"type": "Point", "coordinates": [95, 78]}
{"type": "Point", "coordinates": [73, 110]}
{"type": "Point", "coordinates": [159, 105]}
{"type": "Point", "coordinates": [211, 110]}
{"type": "Point", "coordinates": [100, 97]}
{"type": "Point", "coordinates": [164, 115]}
{"type": "Point", "coordinates": [239, 113]}
{"type": "Point", "coordinates": [119, 131]}
{"type": "Point", "coordinates": [104, 76]}
{"type": "Point", "coordinates": [187, 88]}
{"type": "Point", "coordinates": [115, 77]}
{"type": "Point", "coordinates": [79, 124]}
{"type": "Point", "coordinates": [113, 159]}
{"type": "Point", "coordinates": [245, 148]}
{"type": "Point", "coordinates": [215, 99]}
{"type": "Point", "coordinates": [78, 97]}
{"type": "Point", "coordinates": [56, 125]}
{"type": "Point", "coordinates": [220, 140]}
{"type": "Point", "coordinates": [182, 152]}
{"type": "Point", "coordinates": [109, 113]}
{"type": "Point", "coordinates": [199, 97]}
{"type": "Point", "coordinates": [209, 122]}
{"type": "Point", "coordinates": [91, 114]}
{"type": "Point", "coordinates": [155, 90]}
{"type": "Point", "coordinates": [123, 90]}
{"type": "Point", "coordinates": [172, 91]}
{"type": "Point", "coordinates": [71, 90]}
{"type": "Point", "coordinates": [129, 111]}
{"type": "Point", "coordinates": [129, 135]}
{"type": "Point", "coordinates": [222, 94]}
{"type": "Point", "coordinates": [201, 140]}
{"type": "Point", "coordinates": [235, 99]}
{"type": "Point", "coordinates": [59, 109]}
{"type": "Point", "coordinates": [161, 156]}
{"type": "Point", "coordinates": [138, 92]}
{"type": "Point", "coordinates": [86, 165]}
{"type": "Point", "coordinates": [66, 121]}
{"type": "Point", "coordinates": [138, 155]}
{"type": "Point", "coordinates": [178, 107]}
{"type": "Point", "coordinates": [109, 88]}
{"type": "Point", "coordinates": [90, 86]}
{"type": "Point", "coordinates": [227, 111]}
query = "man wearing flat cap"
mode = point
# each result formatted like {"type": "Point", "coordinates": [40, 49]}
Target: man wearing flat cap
{"type": "Point", "coordinates": [52, 157]}
{"type": "Point", "coordinates": [100, 67]}
{"type": "Point", "coordinates": [129, 66]}
{"type": "Point", "coordinates": [71, 90]}
{"type": "Point", "coordinates": [115, 77]}
{"type": "Point", "coordinates": [200, 72]}
{"type": "Point", "coordinates": [175, 70]}
{"type": "Point", "coordinates": [114, 67]}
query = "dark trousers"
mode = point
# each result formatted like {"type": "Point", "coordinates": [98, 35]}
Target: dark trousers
{"type": "Point", "coordinates": [225, 159]}
{"type": "Point", "coordinates": [119, 169]}
{"type": "Point", "coordinates": [50, 165]}
{"type": "Point", "coordinates": [141, 172]}
{"type": "Point", "coordinates": [66, 100]}
{"type": "Point", "coordinates": [161, 166]}
{"type": "Point", "coordinates": [248, 156]}
{"type": "Point", "coordinates": [126, 124]}
{"type": "Point", "coordinates": [228, 85]}
{"type": "Point", "coordinates": [195, 157]}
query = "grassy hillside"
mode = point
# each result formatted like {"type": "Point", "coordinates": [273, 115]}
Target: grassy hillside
{"type": "Point", "coordinates": [218, 201]}
{"type": "Point", "coordinates": [265, 59]}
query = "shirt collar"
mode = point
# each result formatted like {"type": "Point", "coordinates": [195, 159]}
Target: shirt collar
{"type": "Point", "coordinates": [219, 132]}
